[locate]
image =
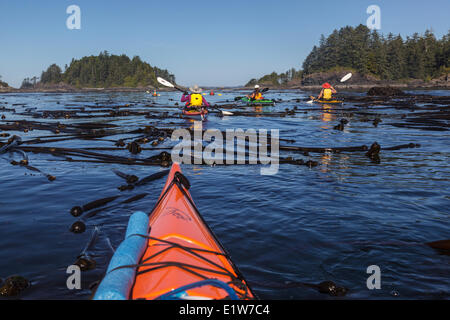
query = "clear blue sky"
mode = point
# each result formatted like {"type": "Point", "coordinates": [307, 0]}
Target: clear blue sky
{"type": "Point", "coordinates": [207, 42]}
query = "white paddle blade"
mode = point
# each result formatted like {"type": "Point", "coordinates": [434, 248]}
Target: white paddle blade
{"type": "Point", "coordinates": [165, 82]}
{"type": "Point", "coordinates": [227, 113]}
{"type": "Point", "coordinates": [346, 77]}
{"type": "Point", "coordinates": [310, 101]}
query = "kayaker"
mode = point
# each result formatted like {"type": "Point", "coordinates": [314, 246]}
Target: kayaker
{"type": "Point", "coordinates": [327, 92]}
{"type": "Point", "coordinates": [195, 100]}
{"type": "Point", "coordinates": [256, 94]}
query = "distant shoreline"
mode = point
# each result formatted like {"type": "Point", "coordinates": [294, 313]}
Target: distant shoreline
{"type": "Point", "coordinates": [349, 87]}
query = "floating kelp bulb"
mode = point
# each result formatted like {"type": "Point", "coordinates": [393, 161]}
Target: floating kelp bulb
{"type": "Point", "coordinates": [134, 147]}
{"type": "Point", "coordinates": [24, 162]}
{"type": "Point", "coordinates": [51, 178]}
{"type": "Point", "coordinates": [76, 211]}
{"type": "Point", "coordinates": [86, 263]}
{"type": "Point", "coordinates": [120, 143]}
{"type": "Point", "coordinates": [374, 150]}
{"type": "Point", "coordinates": [13, 286]}
{"type": "Point", "coordinates": [78, 227]}
{"type": "Point", "coordinates": [165, 156]}
{"type": "Point", "coordinates": [326, 287]}
{"type": "Point", "coordinates": [165, 164]}
{"type": "Point", "coordinates": [395, 293]}
{"type": "Point", "coordinates": [329, 287]}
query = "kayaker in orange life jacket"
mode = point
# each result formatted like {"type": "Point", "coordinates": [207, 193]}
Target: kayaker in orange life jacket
{"type": "Point", "coordinates": [327, 92]}
{"type": "Point", "coordinates": [195, 100]}
{"type": "Point", "coordinates": [256, 94]}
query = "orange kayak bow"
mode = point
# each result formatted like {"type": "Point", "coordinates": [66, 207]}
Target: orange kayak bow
{"type": "Point", "coordinates": [179, 257]}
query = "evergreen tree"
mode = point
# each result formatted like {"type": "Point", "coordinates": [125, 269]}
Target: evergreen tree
{"type": "Point", "coordinates": [53, 74]}
{"type": "Point", "coordinates": [419, 57]}
{"type": "Point", "coordinates": [2, 83]}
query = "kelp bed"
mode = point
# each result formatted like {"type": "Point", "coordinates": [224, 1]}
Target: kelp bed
{"type": "Point", "coordinates": [25, 129]}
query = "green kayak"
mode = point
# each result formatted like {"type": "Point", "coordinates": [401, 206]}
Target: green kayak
{"type": "Point", "coordinates": [263, 102]}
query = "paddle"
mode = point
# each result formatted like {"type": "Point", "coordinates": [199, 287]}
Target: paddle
{"type": "Point", "coordinates": [262, 91]}
{"type": "Point", "coordinates": [170, 85]}
{"type": "Point", "coordinates": [344, 78]}
{"type": "Point", "coordinates": [223, 113]}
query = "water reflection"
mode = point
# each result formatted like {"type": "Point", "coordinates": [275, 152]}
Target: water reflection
{"type": "Point", "coordinates": [327, 114]}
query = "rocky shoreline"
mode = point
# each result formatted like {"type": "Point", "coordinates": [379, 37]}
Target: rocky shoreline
{"type": "Point", "coordinates": [353, 87]}
{"type": "Point", "coordinates": [357, 82]}
{"type": "Point", "coordinates": [311, 84]}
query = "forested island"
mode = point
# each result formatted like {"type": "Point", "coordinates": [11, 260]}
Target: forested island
{"type": "Point", "coordinates": [372, 56]}
{"type": "Point", "coordinates": [102, 71]}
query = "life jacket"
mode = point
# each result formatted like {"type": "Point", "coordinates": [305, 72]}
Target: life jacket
{"type": "Point", "coordinates": [257, 96]}
{"type": "Point", "coordinates": [327, 94]}
{"type": "Point", "coordinates": [196, 100]}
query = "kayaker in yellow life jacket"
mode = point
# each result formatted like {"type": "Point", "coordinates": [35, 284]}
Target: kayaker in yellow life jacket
{"type": "Point", "coordinates": [256, 94]}
{"type": "Point", "coordinates": [327, 92]}
{"type": "Point", "coordinates": [195, 100]}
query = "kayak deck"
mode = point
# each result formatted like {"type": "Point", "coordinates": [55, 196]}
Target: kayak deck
{"type": "Point", "coordinates": [181, 258]}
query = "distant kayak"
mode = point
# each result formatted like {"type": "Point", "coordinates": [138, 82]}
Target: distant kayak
{"type": "Point", "coordinates": [172, 254]}
{"type": "Point", "coordinates": [263, 102]}
{"type": "Point", "coordinates": [195, 114]}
